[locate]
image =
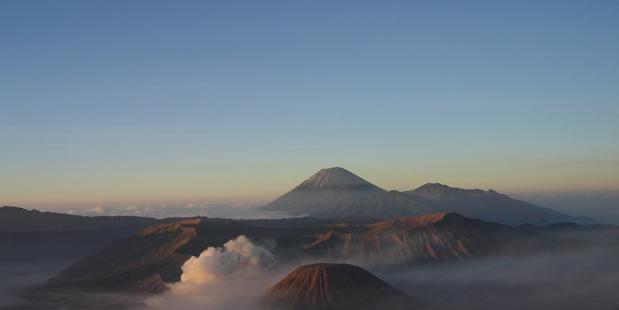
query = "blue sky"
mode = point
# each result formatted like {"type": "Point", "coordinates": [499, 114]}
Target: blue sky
{"type": "Point", "coordinates": [114, 102]}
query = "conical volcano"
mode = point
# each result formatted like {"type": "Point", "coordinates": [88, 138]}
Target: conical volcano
{"type": "Point", "coordinates": [335, 286]}
{"type": "Point", "coordinates": [336, 178]}
{"type": "Point", "coordinates": [324, 192]}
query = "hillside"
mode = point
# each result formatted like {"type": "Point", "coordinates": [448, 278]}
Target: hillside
{"type": "Point", "coordinates": [138, 263]}
{"type": "Point", "coordinates": [422, 239]}
{"type": "Point", "coordinates": [490, 206]}
{"type": "Point", "coordinates": [324, 192]}
{"type": "Point", "coordinates": [142, 263]}
{"type": "Point", "coordinates": [14, 219]}
{"type": "Point", "coordinates": [31, 235]}
{"type": "Point", "coordinates": [335, 286]}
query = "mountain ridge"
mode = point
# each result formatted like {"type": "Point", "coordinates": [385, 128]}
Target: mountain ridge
{"type": "Point", "coordinates": [490, 205]}
{"type": "Point", "coordinates": [438, 237]}
{"type": "Point", "coordinates": [338, 193]}
{"type": "Point", "coordinates": [15, 219]}
{"type": "Point", "coordinates": [144, 262]}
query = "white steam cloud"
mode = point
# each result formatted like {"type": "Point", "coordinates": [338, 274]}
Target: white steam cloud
{"type": "Point", "coordinates": [238, 257]}
{"type": "Point", "coordinates": [234, 276]}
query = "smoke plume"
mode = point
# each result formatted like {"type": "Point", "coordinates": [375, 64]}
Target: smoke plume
{"type": "Point", "coordinates": [232, 277]}
{"type": "Point", "coordinates": [238, 257]}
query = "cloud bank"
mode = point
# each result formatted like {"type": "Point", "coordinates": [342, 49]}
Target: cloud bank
{"type": "Point", "coordinates": [578, 280]}
{"type": "Point", "coordinates": [188, 210]}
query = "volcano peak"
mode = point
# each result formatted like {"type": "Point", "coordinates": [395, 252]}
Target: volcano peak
{"type": "Point", "coordinates": [335, 178]}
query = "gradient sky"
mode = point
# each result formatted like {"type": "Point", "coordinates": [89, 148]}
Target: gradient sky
{"type": "Point", "coordinates": [119, 102]}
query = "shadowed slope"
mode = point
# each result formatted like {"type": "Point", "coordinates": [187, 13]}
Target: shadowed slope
{"type": "Point", "coordinates": [31, 235]}
{"type": "Point", "coordinates": [382, 205]}
{"type": "Point", "coordinates": [132, 263]}
{"type": "Point", "coordinates": [338, 193]}
{"type": "Point", "coordinates": [490, 206]}
{"type": "Point", "coordinates": [323, 192]}
{"type": "Point", "coordinates": [14, 220]}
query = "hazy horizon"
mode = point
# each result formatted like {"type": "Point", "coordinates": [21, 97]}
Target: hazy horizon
{"type": "Point", "coordinates": [597, 204]}
{"type": "Point", "coordinates": [116, 103]}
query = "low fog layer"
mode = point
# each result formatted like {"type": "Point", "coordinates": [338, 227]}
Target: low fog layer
{"type": "Point", "coordinates": [237, 276]}
{"type": "Point", "coordinates": [583, 280]}
{"type": "Point", "coordinates": [189, 210]}
{"type": "Point", "coordinates": [15, 277]}
{"type": "Point", "coordinates": [602, 206]}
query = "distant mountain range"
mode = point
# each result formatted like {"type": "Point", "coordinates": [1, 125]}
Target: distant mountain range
{"type": "Point", "coordinates": [338, 193]}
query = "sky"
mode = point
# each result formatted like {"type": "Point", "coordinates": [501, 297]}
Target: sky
{"type": "Point", "coordinates": [138, 102]}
